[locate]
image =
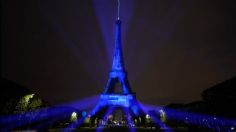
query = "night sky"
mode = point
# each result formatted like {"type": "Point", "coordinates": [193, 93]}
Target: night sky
{"type": "Point", "coordinates": [173, 49]}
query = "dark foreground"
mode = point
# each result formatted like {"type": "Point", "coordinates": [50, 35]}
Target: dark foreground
{"type": "Point", "coordinates": [120, 129]}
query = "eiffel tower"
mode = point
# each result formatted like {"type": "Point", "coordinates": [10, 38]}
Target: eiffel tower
{"type": "Point", "coordinates": [124, 100]}
{"type": "Point", "coordinates": [118, 75]}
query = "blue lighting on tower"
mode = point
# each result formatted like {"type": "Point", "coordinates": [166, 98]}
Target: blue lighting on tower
{"type": "Point", "coordinates": [110, 99]}
{"type": "Point", "coordinates": [117, 75]}
{"type": "Point", "coordinates": [116, 100]}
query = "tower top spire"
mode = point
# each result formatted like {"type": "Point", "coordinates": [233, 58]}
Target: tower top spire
{"type": "Point", "coordinates": [118, 73]}
{"type": "Point", "coordinates": [118, 63]}
{"type": "Point", "coordinates": [118, 9]}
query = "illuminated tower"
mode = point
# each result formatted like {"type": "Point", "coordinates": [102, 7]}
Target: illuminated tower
{"type": "Point", "coordinates": [118, 73]}
{"type": "Point", "coordinates": [112, 99]}
{"type": "Point", "coordinates": [118, 77]}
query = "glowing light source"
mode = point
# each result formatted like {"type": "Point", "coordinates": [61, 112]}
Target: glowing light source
{"type": "Point", "coordinates": [73, 116]}
{"type": "Point", "coordinates": [84, 113]}
{"type": "Point", "coordinates": [163, 115]}
{"type": "Point", "coordinates": [28, 97]}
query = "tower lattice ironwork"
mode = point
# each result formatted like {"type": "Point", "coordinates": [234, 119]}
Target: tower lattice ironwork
{"type": "Point", "coordinates": [126, 98]}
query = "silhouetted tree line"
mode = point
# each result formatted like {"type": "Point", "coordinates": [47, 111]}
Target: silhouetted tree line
{"type": "Point", "coordinates": [31, 111]}
{"type": "Point", "coordinates": [217, 101]}
{"type": "Point", "coordinates": [16, 99]}
{"type": "Point", "coordinates": [20, 103]}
